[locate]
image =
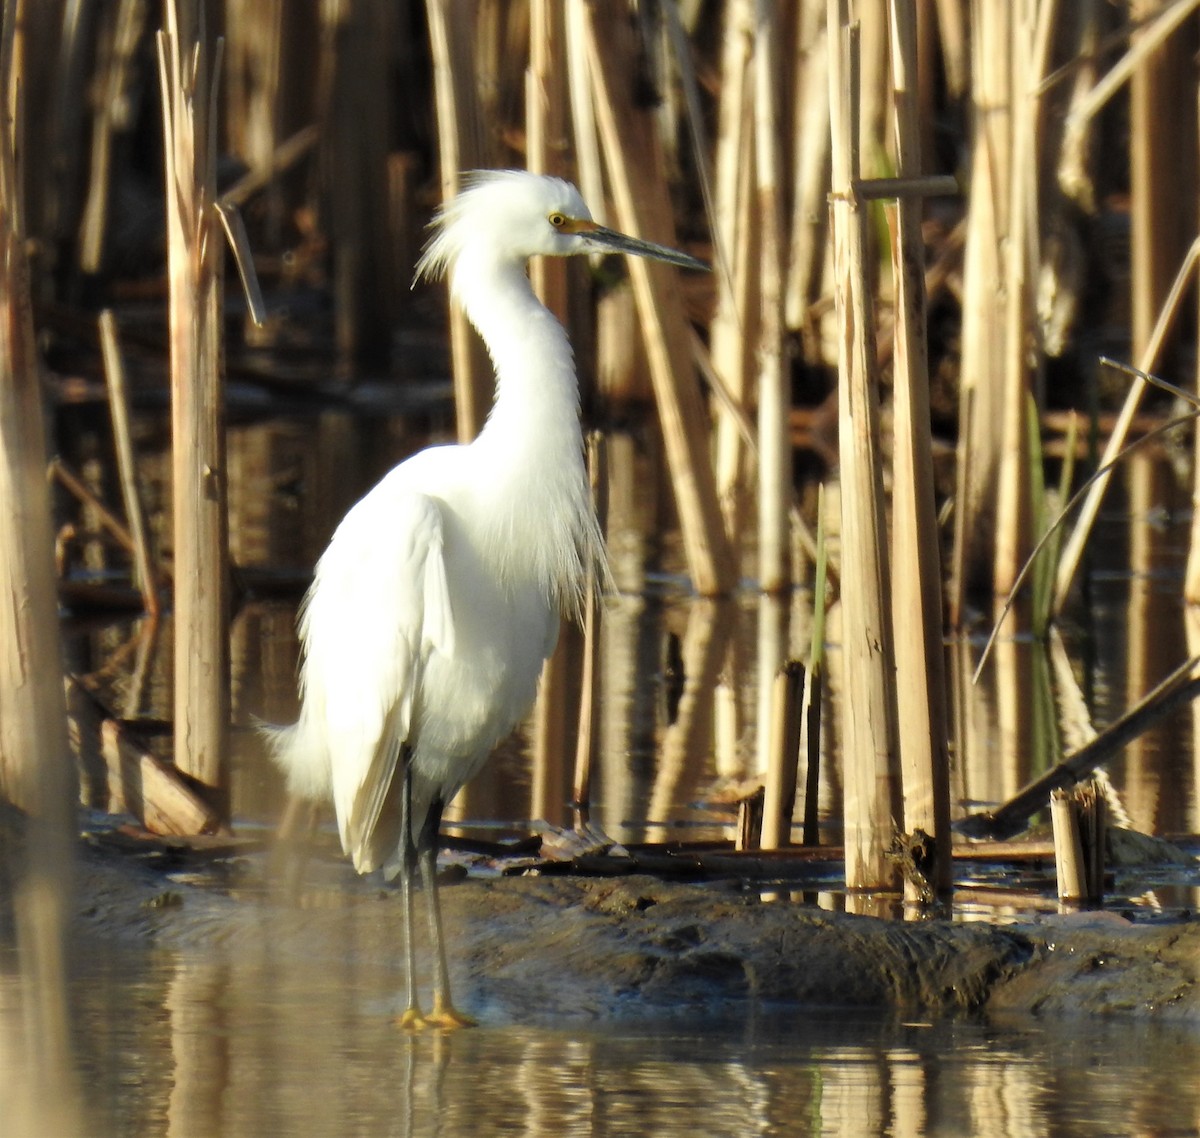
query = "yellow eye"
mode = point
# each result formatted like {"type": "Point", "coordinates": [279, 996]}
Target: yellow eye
{"type": "Point", "coordinates": [557, 220]}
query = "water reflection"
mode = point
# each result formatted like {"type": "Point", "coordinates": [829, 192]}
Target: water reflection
{"type": "Point", "coordinates": [215, 1045]}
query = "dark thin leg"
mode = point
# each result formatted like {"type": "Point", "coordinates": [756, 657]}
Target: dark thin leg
{"type": "Point", "coordinates": [412, 1019]}
{"type": "Point", "coordinates": [444, 1013]}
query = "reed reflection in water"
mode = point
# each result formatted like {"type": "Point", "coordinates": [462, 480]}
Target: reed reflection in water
{"type": "Point", "coordinates": [200, 1045]}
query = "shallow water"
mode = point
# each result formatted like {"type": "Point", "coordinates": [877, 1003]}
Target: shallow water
{"type": "Point", "coordinates": [167, 1043]}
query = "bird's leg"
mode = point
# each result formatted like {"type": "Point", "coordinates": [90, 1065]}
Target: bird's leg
{"type": "Point", "coordinates": [444, 1013]}
{"type": "Point", "coordinates": [412, 1019]}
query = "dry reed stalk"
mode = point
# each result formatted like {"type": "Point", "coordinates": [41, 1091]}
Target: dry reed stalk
{"type": "Point", "coordinates": [291, 150]}
{"type": "Point", "coordinates": [810, 214]}
{"type": "Point", "coordinates": [548, 733]}
{"type": "Point", "coordinates": [546, 153]}
{"type": "Point", "coordinates": [984, 331]}
{"type": "Point", "coordinates": [774, 446]}
{"type": "Point", "coordinates": [587, 737]}
{"type": "Point", "coordinates": [356, 141]}
{"type": "Point", "coordinates": [956, 50]}
{"type": "Point", "coordinates": [460, 148]}
{"type": "Point", "coordinates": [733, 328]}
{"type": "Point", "coordinates": [1073, 550]}
{"type": "Point", "coordinates": [1160, 160]}
{"type": "Point", "coordinates": [13, 83]}
{"type": "Point", "coordinates": [681, 55]}
{"type": "Point", "coordinates": [916, 558]}
{"type": "Point", "coordinates": [779, 792]}
{"type": "Point", "coordinates": [35, 770]}
{"type": "Point", "coordinates": [1191, 578]}
{"type": "Point", "coordinates": [33, 767]}
{"type": "Point", "coordinates": [230, 218]}
{"type": "Point", "coordinates": [113, 99]}
{"type": "Point", "coordinates": [810, 716]}
{"type": "Point", "coordinates": [253, 56]}
{"type": "Point", "coordinates": [814, 681]}
{"type": "Point", "coordinates": [770, 651]}
{"type": "Point", "coordinates": [774, 443]}
{"type": "Point", "coordinates": [1093, 809]}
{"type": "Point", "coordinates": [103, 516]}
{"type": "Point", "coordinates": [634, 160]}
{"type": "Point", "coordinates": [1149, 642]}
{"type": "Point", "coordinates": [1074, 174]}
{"type": "Point", "coordinates": [194, 250]}
{"type": "Point", "coordinates": [64, 42]}
{"type": "Point", "coordinates": [1191, 629]}
{"type": "Point", "coordinates": [1031, 21]}
{"type": "Point", "coordinates": [140, 674]}
{"type": "Point", "coordinates": [547, 144]}
{"type": "Point", "coordinates": [1151, 36]}
{"type": "Point", "coordinates": [622, 376]}
{"type": "Point", "coordinates": [268, 94]}
{"type": "Point", "coordinates": [870, 759]}
{"type": "Point", "coordinates": [871, 16]}
{"type": "Point", "coordinates": [590, 178]}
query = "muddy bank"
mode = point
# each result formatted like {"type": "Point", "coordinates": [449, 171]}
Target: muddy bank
{"type": "Point", "coordinates": [566, 948]}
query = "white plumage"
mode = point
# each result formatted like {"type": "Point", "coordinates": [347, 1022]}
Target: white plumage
{"type": "Point", "coordinates": [438, 598]}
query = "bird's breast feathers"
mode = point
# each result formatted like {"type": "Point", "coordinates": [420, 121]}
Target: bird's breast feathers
{"type": "Point", "coordinates": [409, 629]}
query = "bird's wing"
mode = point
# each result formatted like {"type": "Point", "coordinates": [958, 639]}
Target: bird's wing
{"type": "Point", "coordinates": [379, 605]}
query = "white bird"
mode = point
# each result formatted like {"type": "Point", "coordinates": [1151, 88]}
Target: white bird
{"type": "Point", "coordinates": [438, 598]}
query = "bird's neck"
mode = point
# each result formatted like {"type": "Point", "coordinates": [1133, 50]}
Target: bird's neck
{"type": "Point", "coordinates": [537, 394]}
{"type": "Point", "coordinates": [531, 443]}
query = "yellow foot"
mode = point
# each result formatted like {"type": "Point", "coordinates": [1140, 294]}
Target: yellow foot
{"type": "Point", "coordinates": [412, 1020]}
{"type": "Point", "coordinates": [445, 1015]}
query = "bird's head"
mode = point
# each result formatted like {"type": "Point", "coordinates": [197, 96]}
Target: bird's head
{"type": "Point", "coordinates": [511, 215]}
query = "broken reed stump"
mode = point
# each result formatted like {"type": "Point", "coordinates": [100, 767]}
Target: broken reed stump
{"type": "Point", "coordinates": [1079, 818]}
{"type": "Point", "coordinates": [780, 792]}
{"type": "Point", "coordinates": [749, 821]}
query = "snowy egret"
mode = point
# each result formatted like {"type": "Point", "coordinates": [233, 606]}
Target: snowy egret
{"type": "Point", "coordinates": [438, 598]}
